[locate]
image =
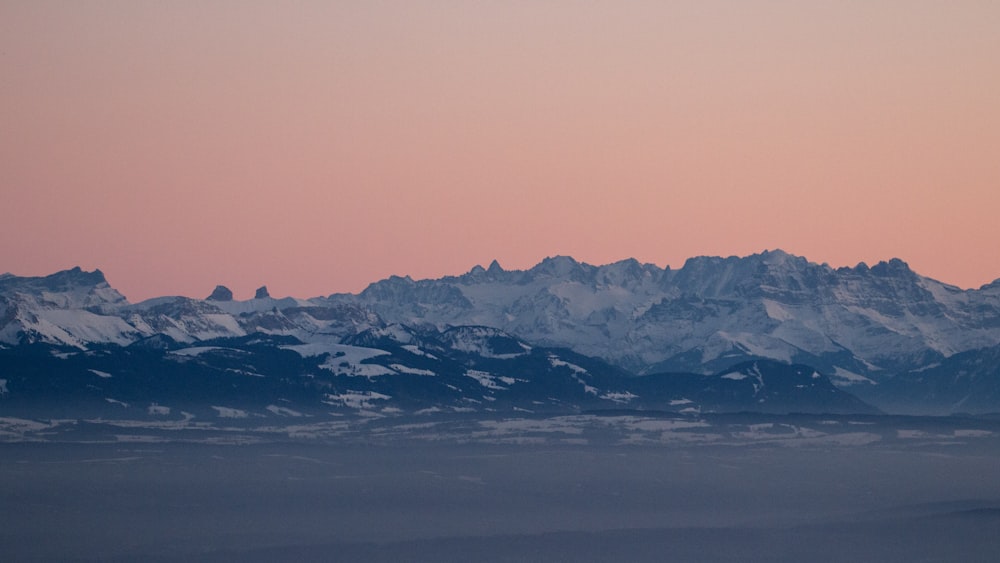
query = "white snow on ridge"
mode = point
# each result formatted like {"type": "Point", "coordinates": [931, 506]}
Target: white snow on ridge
{"type": "Point", "coordinates": [84, 326]}
{"type": "Point", "coordinates": [345, 352]}
{"type": "Point", "coordinates": [225, 326]}
{"type": "Point", "coordinates": [344, 358]}
{"type": "Point", "coordinates": [590, 389]}
{"type": "Point", "coordinates": [412, 371]}
{"type": "Point", "coordinates": [72, 327]}
{"type": "Point", "coordinates": [357, 370]}
{"type": "Point", "coordinates": [415, 350]}
{"type": "Point", "coordinates": [845, 377]}
{"type": "Point", "coordinates": [776, 311]}
{"type": "Point", "coordinates": [235, 307]}
{"type": "Point", "coordinates": [556, 362]}
{"type": "Point", "coordinates": [620, 398]}
{"type": "Point", "coordinates": [753, 344]}
{"type": "Point", "coordinates": [489, 380]}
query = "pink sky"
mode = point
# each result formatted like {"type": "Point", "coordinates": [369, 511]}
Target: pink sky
{"type": "Point", "coordinates": [318, 146]}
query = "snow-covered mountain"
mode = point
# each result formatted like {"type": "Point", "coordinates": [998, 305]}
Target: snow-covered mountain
{"type": "Point", "coordinates": [856, 325]}
{"type": "Point", "coordinates": [73, 307]}
{"type": "Point", "coordinates": [79, 309]}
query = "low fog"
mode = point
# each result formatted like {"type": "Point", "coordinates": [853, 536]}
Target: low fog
{"type": "Point", "coordinates": [444, 500]}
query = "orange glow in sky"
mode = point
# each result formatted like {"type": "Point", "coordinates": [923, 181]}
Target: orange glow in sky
{"type": "Point", "coordinates": [318, 146]}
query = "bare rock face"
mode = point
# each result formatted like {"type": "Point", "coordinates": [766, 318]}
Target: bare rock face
{"type": "Point", "coordinates": [262, 293]}
{"type": "Point", "coordinates": [221, 293]}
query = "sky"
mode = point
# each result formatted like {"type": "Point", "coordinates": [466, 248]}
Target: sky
{"type": "Point", "coordinates": [316, 147]}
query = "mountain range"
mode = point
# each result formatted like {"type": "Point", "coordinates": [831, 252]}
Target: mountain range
{"type": "Point", "coordinates": [771, 332]}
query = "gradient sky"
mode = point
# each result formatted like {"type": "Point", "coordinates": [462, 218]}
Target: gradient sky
{"type": "Point", "coordinates": [318, 146]}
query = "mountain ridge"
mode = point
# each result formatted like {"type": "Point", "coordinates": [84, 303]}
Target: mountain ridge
{"type": "Point", "coordinates": [860, 325]}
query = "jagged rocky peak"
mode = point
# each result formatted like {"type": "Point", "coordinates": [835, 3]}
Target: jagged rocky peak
{"type": "Point", "coordinates": [770, 258]}
{"type": "Point", "coordinates": [558, 266]}
{"type": "Point", "coordinates": [780, 258]}
{"type": "Point", "coordinates": [75, 277]}
{"type": "Point", "coordinates": [894, 267]}
{"type": "Point", "coordinates": [625, 270]}
{"type": "Point", "coordinates": [478, 273]}
{"type": "Point", "coordinates": [261, 293]}
{"type": "Point", "coordinates": [392, 287]}
{"type": "Point", "coordinates": [73, 288]}
{"type": "Point", "coordinates": [221, 293]}
{"type": "Point", "coordinates": [699, 262]}
{"type": "Point", "coordinates": [884, 269]}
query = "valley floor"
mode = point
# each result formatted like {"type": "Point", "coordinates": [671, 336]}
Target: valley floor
{"type": "Point", "coordinates": [615, 486]}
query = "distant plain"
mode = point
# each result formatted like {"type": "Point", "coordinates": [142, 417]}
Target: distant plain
{"type": "Point", "coordinates": [580, 488]}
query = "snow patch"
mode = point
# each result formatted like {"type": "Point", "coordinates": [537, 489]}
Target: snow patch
{"type": "Point", "coordinates": [229, 412]}
{"type": "Point", "coordinates": [776, 311]}
{"type": "Point", "coordinates": [343, 358]}
{"type": "Point", "coordinates": [845, 377]}
{"type": "Point", "coordinates": [489, 380]}
{"type": "Point", "coordinates": [355, 399]}
{"type": "Point", "coordinates": [590, 389]}
{"type": "Point", "coordinates": [155, 409]}
{"type": "Point", "coordinates": [359, 370]}
{"type": "Point", "coordinates": [283, 411]}
{"type": "Point", "coordinates": [16, 428]}
{"type": "Point", "coordinates": [413, 371]}
{"type": "Point", "coordinates": [416, 351]}
{"type": "Point", "coordinates": [101, 374]}
{"type": "Point", "coordinates": [620, 398]}
{"type": "Point", "coordinates": [556, 362]}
